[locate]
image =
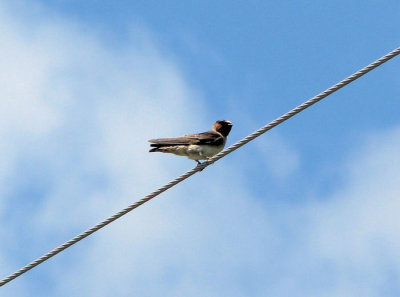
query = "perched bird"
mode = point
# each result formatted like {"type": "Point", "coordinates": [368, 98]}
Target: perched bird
{"type": "Point", "coordinates": [196, 146]}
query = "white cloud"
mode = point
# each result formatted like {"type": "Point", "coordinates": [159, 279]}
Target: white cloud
{"type": "Point", "coordinates": [279, 158]}
{"type": "Point", "coordinates": [75, 118]}
{"type": "Point", "coordinates": [347, 244]}
{"type": "Point", "coordinates": [358, 228]}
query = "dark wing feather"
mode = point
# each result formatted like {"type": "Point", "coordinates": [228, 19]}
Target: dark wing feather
{"type": "Point", "coordinates": [170, 141]}
{"type": "Point", "coordinates": [206, 138]}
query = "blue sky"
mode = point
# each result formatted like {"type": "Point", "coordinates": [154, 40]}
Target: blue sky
{"type": "Point", "coordinates": [309, 209]}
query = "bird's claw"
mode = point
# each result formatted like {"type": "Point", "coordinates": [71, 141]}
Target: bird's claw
{"type": "Point", "coordinates": [199, 164]}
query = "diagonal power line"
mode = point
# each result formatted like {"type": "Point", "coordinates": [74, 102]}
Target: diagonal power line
{"type": "Point", "coordinates": [200, 167]}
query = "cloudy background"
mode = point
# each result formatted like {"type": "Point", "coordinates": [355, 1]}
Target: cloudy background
{"type": "Point", "coordinates": [309, 209]}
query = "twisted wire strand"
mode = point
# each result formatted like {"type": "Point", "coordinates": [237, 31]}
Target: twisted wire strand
{"type": "Point", "coordinates": [200, 167]}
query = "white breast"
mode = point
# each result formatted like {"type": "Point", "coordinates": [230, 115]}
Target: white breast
{"type": "Point", "coordinates": [202, 152]}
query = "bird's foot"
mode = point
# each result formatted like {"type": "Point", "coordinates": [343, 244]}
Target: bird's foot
{"type": "Point", "coordinates": [199, 164]}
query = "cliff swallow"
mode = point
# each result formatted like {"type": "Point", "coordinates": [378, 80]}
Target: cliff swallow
{"type": "Point", "coordinates": [196, 147]}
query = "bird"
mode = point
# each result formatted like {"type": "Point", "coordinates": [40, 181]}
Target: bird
{"type": "Point", "coordinates": [201, 146]}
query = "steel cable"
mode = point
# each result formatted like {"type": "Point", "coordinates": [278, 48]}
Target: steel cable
{"type": "Point", "coordinates": [200, 167]}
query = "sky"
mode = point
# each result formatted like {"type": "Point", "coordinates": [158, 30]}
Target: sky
{"type": "Point", "coordinates": [308, 209]}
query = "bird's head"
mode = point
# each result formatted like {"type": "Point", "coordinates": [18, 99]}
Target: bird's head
{"type": "Point", "coordinates": [223, 127]}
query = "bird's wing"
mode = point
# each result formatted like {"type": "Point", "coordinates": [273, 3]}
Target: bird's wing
{"type": "Point", "coordinates": [206, 138]}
